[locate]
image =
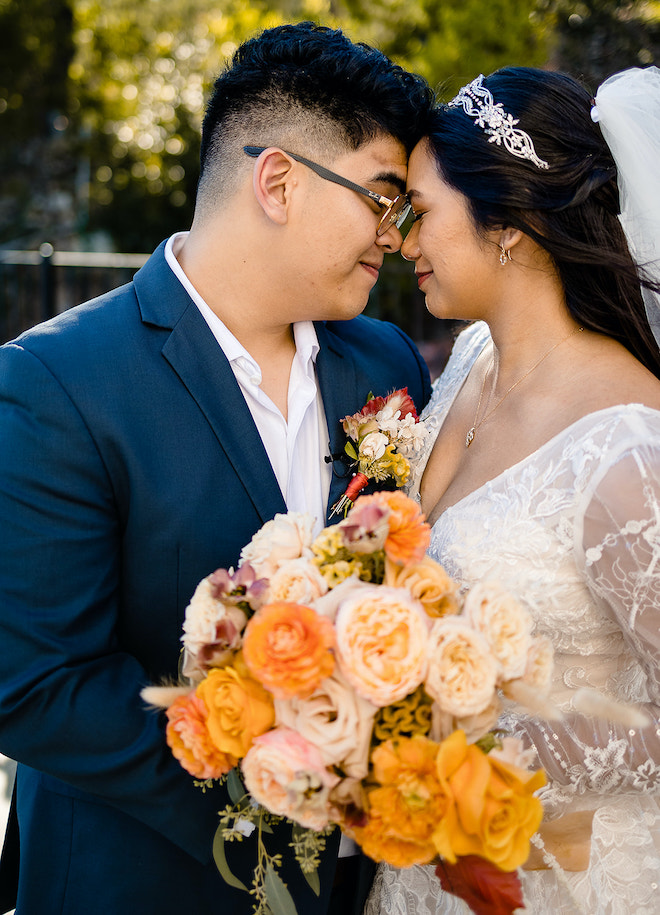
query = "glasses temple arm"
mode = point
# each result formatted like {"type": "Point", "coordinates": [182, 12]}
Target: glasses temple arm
{"type": "Point", "coordinates": [327, 174]}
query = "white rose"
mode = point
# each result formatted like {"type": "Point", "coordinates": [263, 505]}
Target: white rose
{"type": "Point", "coordinates": [208, 621]}
{"type": "Point", "coordinates": [336, 720]}
{"type": "Point", "coordinates": [462, 670]}
{"type": "Point", "coordinates": [373, 446]}
{"type": "Point", "coordinates": [298, 581]}
{"type": "Point", "coordinates": [285, 537]}
{"type": "Point", "coordinates": [504, 623]}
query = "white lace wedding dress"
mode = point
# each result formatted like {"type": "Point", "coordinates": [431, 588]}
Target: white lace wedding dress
{"type": "Point", "coordinates": [574, 531]}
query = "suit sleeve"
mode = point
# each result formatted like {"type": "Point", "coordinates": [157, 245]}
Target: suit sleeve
{"type": "Point", "coordinates": [69, 697]}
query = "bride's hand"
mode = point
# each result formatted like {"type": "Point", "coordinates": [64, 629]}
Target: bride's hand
{"type": "Point", "coordinates": [568, 839]}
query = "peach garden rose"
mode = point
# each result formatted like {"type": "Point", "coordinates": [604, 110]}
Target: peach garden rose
{"type": "Point", "coordinates": [381, 643]}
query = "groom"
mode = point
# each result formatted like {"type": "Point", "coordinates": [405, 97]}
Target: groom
{"type": "Point", "coordinates": [148, 434]}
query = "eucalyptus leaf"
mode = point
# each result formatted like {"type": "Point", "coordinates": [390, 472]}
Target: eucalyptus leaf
{"type": "Point", "coordinates": [235, 786]}
{"type": "Point", "coordinates": [221, 861]}
{"type": "Point", "coordinates": [278, 896]}
{"type": "Point", "coordinates": [312, 877]}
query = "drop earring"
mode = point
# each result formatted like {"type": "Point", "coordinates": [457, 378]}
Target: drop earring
{"type": "Point", "coordinates": [505, 255]}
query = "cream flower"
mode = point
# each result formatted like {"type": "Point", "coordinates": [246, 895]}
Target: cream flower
{"type": "Point", "coordinates": [297, 580]}
{"type": "Point", "coordinates": [210, 627]}
{"type": "Point", "coordinates": [539, 666]}
{"type": "Point", "coordinates": [381, 643]}
{"type": "Point", "coordinates": [336, 720]}
{"type": "Point", "coordinates": [512, 752]}
{"type": "Point", "coordinates": [462, 670]}
{"type": "Point", "coordinates": [284, 537]}
{"type": "Point", "coordinates": [504, 623]}
{"type": "Point", "coordinates": [373, 446]}
{"type": "Point", "coordinates": [285, 773]}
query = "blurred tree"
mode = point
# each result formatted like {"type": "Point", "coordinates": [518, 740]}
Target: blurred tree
{"type": "Point", "coordinates": [595, 38]}
{"type": "Point", "coordinates": [37, 164]}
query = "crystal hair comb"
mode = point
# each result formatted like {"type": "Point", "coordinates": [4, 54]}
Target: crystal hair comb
{"type": "Point", "coordinates": [477, 102]}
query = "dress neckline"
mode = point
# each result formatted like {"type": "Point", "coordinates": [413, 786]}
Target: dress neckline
{"type": "Point", "coordinates": [512, 467]}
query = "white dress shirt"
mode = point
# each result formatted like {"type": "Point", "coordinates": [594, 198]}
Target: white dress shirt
{"type": "Point", "coordinates": [295, 446]}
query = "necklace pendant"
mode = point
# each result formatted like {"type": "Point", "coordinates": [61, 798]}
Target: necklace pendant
{"type": "Point", "coordinates": [469, 438]}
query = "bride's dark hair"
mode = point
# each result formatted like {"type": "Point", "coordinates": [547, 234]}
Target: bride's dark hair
{"type": "Point", "coordinates": [570, 209]}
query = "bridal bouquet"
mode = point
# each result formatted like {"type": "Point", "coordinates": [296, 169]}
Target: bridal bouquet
{"type": "Point", "coordinates": [351, 684]}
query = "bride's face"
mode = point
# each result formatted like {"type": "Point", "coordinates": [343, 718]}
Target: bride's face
{"type": "Point", "coordinates": [456, 269]}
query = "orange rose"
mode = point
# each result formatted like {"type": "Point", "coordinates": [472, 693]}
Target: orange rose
{"type": "Point", "coordinates": [240, 709]}
{"type": "Point", "coordinates": [494, 813]}
{"type": "Point", "coordinates": [403, 812]}
{"type": "Point", "coordinates": [286, 646]}
{"type": "Point", "coordinates": [409, 534]}
{"type": "Point", "coordinates": [190, 741]}
{"type": "Point", "coordinates": [428, 583]}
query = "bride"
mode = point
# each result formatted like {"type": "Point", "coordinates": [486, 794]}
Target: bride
{"type": "Point", "coordinates": [544, 465]}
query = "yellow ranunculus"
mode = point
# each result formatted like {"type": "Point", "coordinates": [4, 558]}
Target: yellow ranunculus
{"type": "Point", "coordinates": [494, 812]}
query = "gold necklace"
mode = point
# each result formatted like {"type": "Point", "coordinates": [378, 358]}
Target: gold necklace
{"type": "Point", "coordinates": [469, 438]}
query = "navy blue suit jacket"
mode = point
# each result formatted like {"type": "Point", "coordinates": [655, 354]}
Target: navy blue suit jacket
{"type": "Point", "coordinates": [130, 468]}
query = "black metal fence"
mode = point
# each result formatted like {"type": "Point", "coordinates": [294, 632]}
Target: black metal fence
{"type": "Point", "coordinates": [36, 285]}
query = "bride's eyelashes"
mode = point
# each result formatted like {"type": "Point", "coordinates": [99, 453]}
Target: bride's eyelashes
{"type": "Point", "coordinates": [417, 216]}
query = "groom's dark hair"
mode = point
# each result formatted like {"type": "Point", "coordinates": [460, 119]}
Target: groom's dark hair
{"type": "Point", "coordinates": [307, 88]}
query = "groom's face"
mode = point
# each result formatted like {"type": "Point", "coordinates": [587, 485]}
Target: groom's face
{"type": "Point", "coordinates": [339, 254]}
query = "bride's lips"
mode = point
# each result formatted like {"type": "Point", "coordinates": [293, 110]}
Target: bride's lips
{"type": "Point", "coordinates": [423, 276]}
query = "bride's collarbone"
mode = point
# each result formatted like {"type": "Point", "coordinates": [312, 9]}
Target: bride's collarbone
{"type": "Point", "coordinates": [455, 470]}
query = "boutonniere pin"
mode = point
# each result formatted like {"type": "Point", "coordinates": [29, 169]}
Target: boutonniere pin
{"type": "Point", "coordinates": [382, 438]}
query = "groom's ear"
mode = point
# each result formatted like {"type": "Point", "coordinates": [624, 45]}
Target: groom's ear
{"type": "Point", "coordinates": [273, 183]}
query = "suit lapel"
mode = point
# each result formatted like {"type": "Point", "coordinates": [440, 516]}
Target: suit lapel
{"type": "Point", "coordinates": [339, 388]}
{"type": "Point", "coordinates": [202, 367]}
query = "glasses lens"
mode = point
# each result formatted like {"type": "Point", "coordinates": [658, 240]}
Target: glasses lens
{"type": "Point", "coordinates": [395, 214]}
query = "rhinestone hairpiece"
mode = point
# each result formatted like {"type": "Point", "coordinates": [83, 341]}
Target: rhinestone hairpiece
{"type": "Point", "coordinates": [477, 102]}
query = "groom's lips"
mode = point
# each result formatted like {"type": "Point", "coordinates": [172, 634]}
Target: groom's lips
{"type": "Point", "coordinates": [422, 276]}
{"type": "Point", "coordinates": [371, 269]}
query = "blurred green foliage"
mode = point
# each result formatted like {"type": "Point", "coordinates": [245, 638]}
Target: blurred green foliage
{"type": "Point", "coordinates": [101, 101]}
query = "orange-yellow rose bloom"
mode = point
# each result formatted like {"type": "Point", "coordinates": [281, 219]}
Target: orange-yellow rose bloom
{"type": "Point", "coordinates": [189, 739]}
{"type": "Point", "coordinates": [240, 709]}
{"type": "Point", "coordinates": [428, 583]}
{"type": "Point", "coordinates": [287, 647]}
{"type": "Point", "coordinates": [494, 813]}
{"type": "Point", "coordinates": [409, 534]}
{"type": "Point", "coordinates": [404, 811]}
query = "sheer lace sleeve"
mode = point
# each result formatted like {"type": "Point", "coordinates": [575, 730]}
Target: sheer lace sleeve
{"type": "Point", "coordinates": [617, 544]}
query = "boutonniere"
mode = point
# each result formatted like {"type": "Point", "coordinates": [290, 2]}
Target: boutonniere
{"type": "Point", "coordinates": [382, 437]}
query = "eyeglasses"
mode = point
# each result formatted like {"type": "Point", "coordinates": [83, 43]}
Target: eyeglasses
{"type": "Point", "coordinates": [396, 210]}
